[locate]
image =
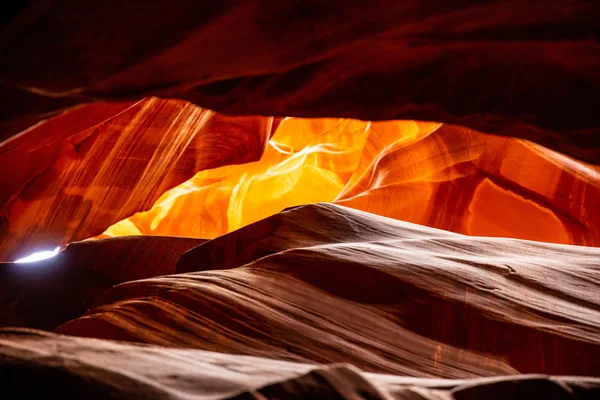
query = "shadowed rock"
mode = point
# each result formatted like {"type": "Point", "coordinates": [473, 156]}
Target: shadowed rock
{"type": "Point", "coordinates": [324, 283]}
{"type": "Point", "coordinates": [98, 369]}
{"type": "Point", "coordinates": [524, 69]}
{"type": "Point", "coordinates": [45, 294]}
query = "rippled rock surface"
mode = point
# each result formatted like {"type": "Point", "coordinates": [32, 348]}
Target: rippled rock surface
{"type": "Point", "coordinates": [325, 283]}
{"type": "Point", "coordinates": [293, 199]}
{"type": "Point", "coordinates": [99, 369]}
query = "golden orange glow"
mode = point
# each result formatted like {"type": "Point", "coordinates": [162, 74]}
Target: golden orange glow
{"type": "Point", "coordinates": [428, 173]}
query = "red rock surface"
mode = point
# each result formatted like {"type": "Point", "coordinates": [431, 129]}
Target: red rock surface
{"type": "Point", "coordinates": [113, 162]}
{"type": "Point", "coordinates": [98, 369]}
{"type": "Point", "coordinates": [75, 175]}
{"type": "Point", "coordinates": [107, 129]}
{"type": "Point", "coordinates": [324, 283]}
{"type": "Point", "coordinates": [508, 67]}
{"type": "Point", "coordinates": [439, 175]}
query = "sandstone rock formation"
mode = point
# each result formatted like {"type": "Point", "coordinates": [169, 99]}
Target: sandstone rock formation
{"type": "Point", "coordinates": [508, 67]}
{"type": "Point", "coordinates": [106, 166]}
{"type": "Point", "coordinates": [71, 177]}
{"type": "Point", "coordinates": [100, 369]}
{"type": "Point", "coordinates": [48, 293]}
{"type": "Point", "coordinates": [325, 283]}
{"type": "Point", "coordinates": [442, 176]}
{"type": "Point", "coordinates": [297, 199]}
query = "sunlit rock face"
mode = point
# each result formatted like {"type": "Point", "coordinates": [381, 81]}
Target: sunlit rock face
{"type": "Point", "coordinates": [69, 178]}
{"type": "Point", "coordinates": [514, 69]}
{"type": "Point", "coordinates": [432, 174]}
{"type": "Point", "coordinates": [149, 168]}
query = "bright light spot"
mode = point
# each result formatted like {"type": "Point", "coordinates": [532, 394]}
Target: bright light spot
{"type": "Point", "coordinates": [40, 255]}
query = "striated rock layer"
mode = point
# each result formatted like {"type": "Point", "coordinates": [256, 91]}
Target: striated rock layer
{"type": "Point", "coordinates": [92, 169]}
{"type": "Point", "coordinates": [96, 369]}
{"type": "Point", "coordinates": [442, 176]}
{"type": "Point", "coordinates": [317, 300]}
{"type": "Point", "coordinates": [73, 176]}
{"type": "Point", "coordinates": [325, 283]}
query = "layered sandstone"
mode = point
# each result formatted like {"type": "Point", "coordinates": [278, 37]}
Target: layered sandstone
{"type": "Point", "coordinates": [325, 283]}
{"type": "Point", "coordinates": [73, 176]}
{"type": "Point", "coordinates": [295, 199]}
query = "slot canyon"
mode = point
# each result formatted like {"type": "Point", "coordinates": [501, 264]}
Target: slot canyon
{"type": "Point", "coordinates": [300, 199]}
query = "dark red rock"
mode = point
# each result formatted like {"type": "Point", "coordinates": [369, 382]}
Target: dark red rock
{"type": "Point", "coordinates": [511, 68]}
{"type": "Point", "coordinates": [48, 293]}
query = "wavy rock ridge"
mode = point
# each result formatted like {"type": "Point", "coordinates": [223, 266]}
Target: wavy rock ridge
{"type": "Point", "coordinates": [412, 146]}
{"type": "Point", "coordinates": [100, 369]}
{"type": "Point", "coordinates": [328, 284]}
{"type": "Point", "coordinates": [249, 314]}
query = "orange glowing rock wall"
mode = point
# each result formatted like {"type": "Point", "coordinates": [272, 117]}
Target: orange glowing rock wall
{"type": "Point", "coordinates": [111, 124]}
{"type": "Point", "coordinates": [511, 68]}
{"type": "Point", "coordinates": [69, 178]}
{"type": "Point", "coordinates": [432, 174]}
{"type": "Point", "coordinates": [167, 167]}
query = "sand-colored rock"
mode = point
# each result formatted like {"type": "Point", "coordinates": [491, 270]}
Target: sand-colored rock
{"type": "Point", "coordinates": [325, 283]}
{"type": "Point", "coordinates": [99, 369]}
